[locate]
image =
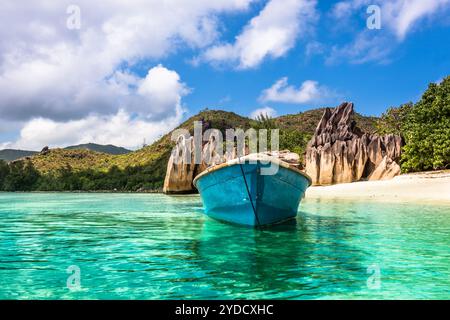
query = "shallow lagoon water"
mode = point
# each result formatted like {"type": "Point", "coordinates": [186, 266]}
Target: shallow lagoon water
{"type": "Point", "coordinates": [152, 246]}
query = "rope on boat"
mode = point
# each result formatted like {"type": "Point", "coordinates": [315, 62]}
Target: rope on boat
{"type": "Point", "coordinates": [249, 196]}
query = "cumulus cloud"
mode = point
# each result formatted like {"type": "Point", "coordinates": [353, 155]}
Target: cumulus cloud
{"type": "Point", "coordinates": [160, 91]}
{"type": "Point", "coordinates": [119, 129]}
{"type": "Point", "coordinates": [271, 34]}
{"type": "Point", "coordinates": [308, 92]}
{"type": "Point", "coordinates": [267, 111]}
{"type": "Point", "coordinates": [49, 72]}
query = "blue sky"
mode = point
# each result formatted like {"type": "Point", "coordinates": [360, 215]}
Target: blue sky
{"type": "Point", "coordinates": [131, 71]}
{"type": "Point", "coordinates": [422, 57]}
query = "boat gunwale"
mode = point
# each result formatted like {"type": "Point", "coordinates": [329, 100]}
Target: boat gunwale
{"type": "Point", "coordinates": [242, 160]}
{"type": "Point", "coordinates": [238, 177]}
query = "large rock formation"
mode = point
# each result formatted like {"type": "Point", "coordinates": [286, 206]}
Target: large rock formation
{"type": "Point", "coordinates": [340, 152]}
{"type": "Point", "coordinates": [182, 167]}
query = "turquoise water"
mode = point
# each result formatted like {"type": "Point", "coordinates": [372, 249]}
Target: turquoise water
{"type": "Point", "coordinates": [145, 246]}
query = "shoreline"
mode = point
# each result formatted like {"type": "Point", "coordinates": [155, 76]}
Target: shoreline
{"type": "Point", "coordinates": [431, 186]}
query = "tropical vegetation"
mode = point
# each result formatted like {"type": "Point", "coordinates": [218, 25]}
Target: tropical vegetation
{"type": "Point", "coordinates": [424, 126]}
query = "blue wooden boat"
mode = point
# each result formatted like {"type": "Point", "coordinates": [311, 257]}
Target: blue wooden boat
{"type": "Point", "coordinates": [237, 192]}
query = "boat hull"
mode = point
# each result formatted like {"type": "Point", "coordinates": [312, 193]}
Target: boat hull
{"type": "Point", "coordinates": [240, 194]}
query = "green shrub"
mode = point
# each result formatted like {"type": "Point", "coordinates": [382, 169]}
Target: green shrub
{"type": "Point", "coordinates": [393, 120]}
{"type": "Point", "coordinates": [427, 130]}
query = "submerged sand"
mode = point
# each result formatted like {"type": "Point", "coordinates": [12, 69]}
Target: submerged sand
{"type": "Point", "coordinates": [418, 187]}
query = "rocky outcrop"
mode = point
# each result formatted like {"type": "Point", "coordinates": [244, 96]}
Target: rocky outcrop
{"type": "Point", "coordinates": [45, 150]}
{"type": "Point", "coordinates": [340, 152]}
{"type": "Point", "coordinates": [182, 169]}
{"type": "Point", "coordinates": [387, 169]}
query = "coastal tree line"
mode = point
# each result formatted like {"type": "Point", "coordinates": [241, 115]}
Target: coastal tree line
{"type": "Point", "coordinates": [22, 176]}
{"type": "Point", "coordinates": [424, 126]}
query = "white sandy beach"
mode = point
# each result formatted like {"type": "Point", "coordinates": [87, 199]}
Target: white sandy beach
{"type": "Point", "coordinates": [418, 187]}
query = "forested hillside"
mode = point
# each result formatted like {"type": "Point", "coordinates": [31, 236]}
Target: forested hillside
{"type": "Point", "coordinates": [144, 169]}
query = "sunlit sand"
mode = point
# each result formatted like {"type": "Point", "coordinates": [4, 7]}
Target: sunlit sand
{"type": "Point", "coordinates": [425, 186]}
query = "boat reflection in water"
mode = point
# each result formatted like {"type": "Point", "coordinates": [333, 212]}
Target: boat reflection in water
{"type": "Point", "coordinates": [298, 259]}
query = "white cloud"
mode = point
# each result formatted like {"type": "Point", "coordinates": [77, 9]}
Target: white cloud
{"type": "Point", "coordinates": [267, 111]}
{"type": "Point", "coordinates": [161, 91]}
{"type": "Point", "coordinates": [398, 18]}
{"type": "Point", "coordinates": [308, 92]}
{"type": "Point", "coordinates": [314, 48]}
{"type": "Point", "coordinates": [366, 47]}
{"type": "Point", "coordinates": [47, 70]}
{"type": "Point", "coordinates": [403, 15]}
{"type": "Point", "coordinates": [270, 34]}
{"type": "Point", "coordinates": [120, 129]}
{"type": "Point", "coordinates": [63, 76]}
{"type": "Point", "coordinates": [344, 9]}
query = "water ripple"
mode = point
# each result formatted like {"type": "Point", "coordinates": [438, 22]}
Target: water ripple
{"type": "Point", "coordinates": [159, 247]}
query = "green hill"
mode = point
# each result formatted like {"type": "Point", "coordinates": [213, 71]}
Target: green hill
{"type": "Point", "coordinates": [159, 151]}
{"type": "Point", "coordinates": [109, 148]}
{"type": "Point", "coordinates": [144, 169]}
{"type": "Point", "coordinates": [307, 121]}
{"type": "Point", "coordinates": [12, 154]}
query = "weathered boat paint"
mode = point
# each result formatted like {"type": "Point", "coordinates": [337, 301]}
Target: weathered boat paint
{"type": "Point", "coordinates": [237, 192]}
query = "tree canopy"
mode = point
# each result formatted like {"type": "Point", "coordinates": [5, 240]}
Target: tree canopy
{"type": "Point", "coordinates": [427, 130]}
